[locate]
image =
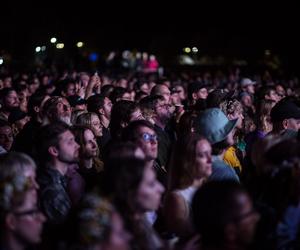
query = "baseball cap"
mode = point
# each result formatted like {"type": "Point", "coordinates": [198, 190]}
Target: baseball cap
{"type": "Point", "coordinates": [247, 81]}
{"type": "Point", "coordinates": [285, 109]}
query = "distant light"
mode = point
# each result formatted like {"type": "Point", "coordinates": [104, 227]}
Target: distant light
{"type": "Point", "coordinates": [53, 40]}
{"type": "Point", "coordinates": [267, 52]}
{"type": "Point", "coordinates": [1, 61]}
{"type": "Point", "coordinates": [60, 46]}
{"type": "Point", "coordinates": [43, 48]}
{"type": "Point", "coordinates": [37, 49]}
{"type": "Point", "coordinates": [187, 50]}
{"type": "Point", "coordinates": [195, 49]}
{"type": "Point", "coordinates": [93, 57]}
{"type": "Point", "coordinates": [80, 44]}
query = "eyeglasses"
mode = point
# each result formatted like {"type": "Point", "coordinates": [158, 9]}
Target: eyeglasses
{"type": "Point", "coordinates": [32, 212]}
{"type": "Point", "coordinates": [148, 137]}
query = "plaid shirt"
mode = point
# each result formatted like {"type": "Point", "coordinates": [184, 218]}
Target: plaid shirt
{"type": "Point", "coordinates": [54, 199]}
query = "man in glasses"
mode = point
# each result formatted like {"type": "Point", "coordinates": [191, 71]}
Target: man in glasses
{"type": "Point", "coordinates": [142, 133]}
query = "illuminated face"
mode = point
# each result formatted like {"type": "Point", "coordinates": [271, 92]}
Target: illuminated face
{"type": "Point", "coordinates": [149, 192]}
{"type": "Point", "coordinates": [28, 221]}
{"type": "Point", "coordinates": [90, 144]}
{"type": "Point", "coordinates": [203, 158]}
{"type": "Point", "coordinates": [68, 149]}
{"type": "Point", "coordinates": [148, 142]}
{"type": "Point", "coordinates": [6, 137]}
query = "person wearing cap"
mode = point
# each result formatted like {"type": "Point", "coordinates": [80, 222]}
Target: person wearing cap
{"type": "Point", "coordinates": [217, 96]}
{"type": "Point", "coordinates": [215, 126]}
{"type": "Point", "coordinates": [247, 85]}
{"type": "Point", "coordinates": [285, 116]}
{"type": "Point", "coordinates": [196, 91]}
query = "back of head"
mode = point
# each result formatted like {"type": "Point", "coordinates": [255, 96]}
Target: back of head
{"type": "Point", "coordinates": [214, 206]}
{"type": "Point", "coordinates": [94, 209]}
{"type": "Point", "coordinates": [217, 96]}
{"type": "Point", "coordinates": [285, 109]}
{"type": "Point", "coordinates": [120, 116]}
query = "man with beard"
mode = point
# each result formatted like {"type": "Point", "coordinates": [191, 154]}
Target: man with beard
{"type": "Point", "coordinates": [58, 151]}
{"type": "Point", "coordinates": [56, 108]}
{"type": "Point", "coordinates": [9, 101]}
{"type": "Point", "coordinates": [166, 137]}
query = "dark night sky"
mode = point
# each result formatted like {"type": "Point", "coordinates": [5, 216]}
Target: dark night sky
{"type": "Point", "coordinates": [239, 30]}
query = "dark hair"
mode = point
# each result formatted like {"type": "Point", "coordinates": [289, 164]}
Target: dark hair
{"type": "Point", "coordinates": [106, 90]}
{"type": "Point", "coordinates": [130, 133]}
{"type": "Point", "coordinates": [62, 86]}
{"type": "Point", "coordinates": [117, 94]}
{"type": "Point", "coordinates": [120, 115]}
{"type": "Point", "coordinates": [125, 178]}
{"type": "Point", "coordinates": [182, 164]}
{"type": "Point", "coordinates": [140, 95]}
{"type": "Point", "coordinates": [117, 151]}
{"type": "Point", "coordinates": [4, 123]}
{"type": "Point", "coordinates": [95, 102]}
{"type": "Point", "coordinates": [49, 136]}
{"type": "Point", "coordinates": [218, 147]}
{"type": "Point", "coordinates": [35, 101]}
{"type": "Point", "coordinates": [214, 206]}
{"type": "Point", "coordinates": [4, 92]}
{"type": "Point", "coordinates": [149, 102]}
{"type": "Point", "coordinates": [265, 90]}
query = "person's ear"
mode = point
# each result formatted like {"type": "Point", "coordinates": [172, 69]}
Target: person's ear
{"type": "Point", "coordinates": [36, 109]}
{"type": "Point", "coordinates": [53, 151]}
{"type": "Point", "coordinates": [230, 116]}
{"type": "Point", "coordinates": [101, 111]}
{"type": "Point", "coordinates": [124, 124]}
{"type": "Point", "coordinates": [285, 123]}
{"type": "Point", "coordinates": [194, 96]}
{"type": "Point", "coordinates": [10, 221]}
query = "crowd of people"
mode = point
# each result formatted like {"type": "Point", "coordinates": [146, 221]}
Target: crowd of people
{"type": "Point", "coordinates": [119, 161]}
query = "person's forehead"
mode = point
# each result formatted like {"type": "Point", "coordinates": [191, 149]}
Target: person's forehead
{"type": "Point", "coordinates": [5, 129]}
{"type": "Point", "coordinates": [11, 93]}
{"type": "Point", "coordinates": [66, 135]}
{"type": "Point", "coordinates": [144, 129]}
{"type": "Point", "coordinates": [88, 134]}
{"type": "Point", "coordinates": [106, 100]}
{"type": "Point", "coordinates": [94, 118]}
